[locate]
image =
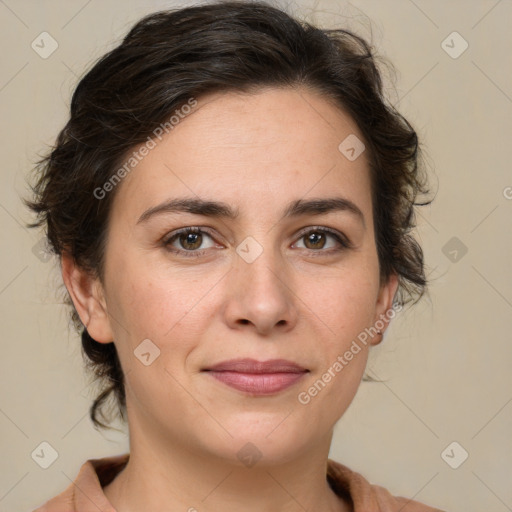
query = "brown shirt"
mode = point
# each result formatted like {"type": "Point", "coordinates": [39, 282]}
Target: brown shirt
{"type": "Point", "coordinates": [85, 494]}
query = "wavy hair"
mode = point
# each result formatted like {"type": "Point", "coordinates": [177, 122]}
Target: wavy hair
{"type": "Point", "coordinates": [170, 56]}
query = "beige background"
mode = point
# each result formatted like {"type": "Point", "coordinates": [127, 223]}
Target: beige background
{"type": "Point", "coordinates": [446, 362]}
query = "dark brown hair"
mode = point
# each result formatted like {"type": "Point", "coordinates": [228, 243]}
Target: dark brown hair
{"type": "Point", "coordinates": [171, 56]}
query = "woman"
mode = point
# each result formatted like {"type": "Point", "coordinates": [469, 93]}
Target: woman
{"type": "Point", "coordinates": [231, 201]}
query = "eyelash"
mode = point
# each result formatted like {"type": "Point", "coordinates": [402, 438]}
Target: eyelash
{"type": "Point", "coordinates": [343, 241]}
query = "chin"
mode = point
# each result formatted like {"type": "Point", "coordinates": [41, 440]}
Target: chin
{"type": "Point", "coordinates": [265, 439]}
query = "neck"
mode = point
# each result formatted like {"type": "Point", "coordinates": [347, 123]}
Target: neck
{"type": "Point", "coordinates": [174, 477]}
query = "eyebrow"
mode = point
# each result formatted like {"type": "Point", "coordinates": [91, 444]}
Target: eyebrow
{"type": "Point", "coordinates": [222, 210]}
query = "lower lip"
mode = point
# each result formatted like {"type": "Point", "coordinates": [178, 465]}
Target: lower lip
{"type": "Point", "coordinates": [257, 384]}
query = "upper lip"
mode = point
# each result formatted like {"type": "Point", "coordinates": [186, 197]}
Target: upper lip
{"type": "Point", "coordinates": [254, 366]}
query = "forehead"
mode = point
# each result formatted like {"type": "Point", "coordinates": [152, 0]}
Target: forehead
{"type": "Point", "coordinates": [267, 147]}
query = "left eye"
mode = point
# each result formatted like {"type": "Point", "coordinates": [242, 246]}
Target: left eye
{"type": "Point", "coordinates": [317, 239]}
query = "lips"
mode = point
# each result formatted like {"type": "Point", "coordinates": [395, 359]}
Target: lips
{"type": "Point", "coordinates": [257, 377]}
{"type": "Point", "coordinates": [257, 367]}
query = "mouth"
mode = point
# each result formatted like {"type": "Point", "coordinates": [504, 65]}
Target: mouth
{"type": "Point", "coordinates": [257, 377]}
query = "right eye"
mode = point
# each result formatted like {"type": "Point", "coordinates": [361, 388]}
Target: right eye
{"type": "Point", "coordinates": [190, 239]}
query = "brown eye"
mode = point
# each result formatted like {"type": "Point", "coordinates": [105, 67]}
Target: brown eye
{"type": "Point", "coordinates": [315, 240]}
{"type": "Point", "coordinates": [189, 241]}
{"type": "Point", "coordinates": [323, 240]}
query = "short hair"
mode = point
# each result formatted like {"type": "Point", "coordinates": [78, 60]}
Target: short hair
{"type": "Point", "coordinates": [171, 56]}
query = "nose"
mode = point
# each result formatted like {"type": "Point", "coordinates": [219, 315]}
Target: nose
{"type": "Point", "coordinates": [260, 296]}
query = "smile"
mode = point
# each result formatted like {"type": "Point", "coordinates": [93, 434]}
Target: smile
{"type": "Point", "coordinates": [258, 378]}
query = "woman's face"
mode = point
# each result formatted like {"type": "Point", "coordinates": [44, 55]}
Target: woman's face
{"type": "Point", "coordinates": [284, 268]}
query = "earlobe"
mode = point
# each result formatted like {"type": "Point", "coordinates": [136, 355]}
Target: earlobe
{"type": "Point", "coordinates": [87, 295]}
{"type": "Point", "coordinates": [384, 307]}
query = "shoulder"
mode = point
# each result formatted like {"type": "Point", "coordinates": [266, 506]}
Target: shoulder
{"type": "Point", "coordinates": [85, 494]}
{"type": "Point", "coordinates": [367, 497]}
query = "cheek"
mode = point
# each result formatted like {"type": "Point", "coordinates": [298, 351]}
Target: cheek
{"type": "Point", "coordinates": [344, 303]}
{"type": "Point", "coordinates": [147, 307]}
{"type": "Point", "coordinates": [152, 299]}
{"type": "Point", "coordinates": [343, 356]}
{"type": "Point", "coordinates": [171, 310]}
{"type": "Point", "coordinates": [342, 306]}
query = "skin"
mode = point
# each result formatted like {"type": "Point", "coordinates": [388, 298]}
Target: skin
{"type": "Point", "coordinates": [299, 300]}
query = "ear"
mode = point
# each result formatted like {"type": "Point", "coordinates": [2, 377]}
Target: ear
{"type": "Point", "coordinates": [383, 307]}
{"type": "Point", "coordinates": [87, 295]}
